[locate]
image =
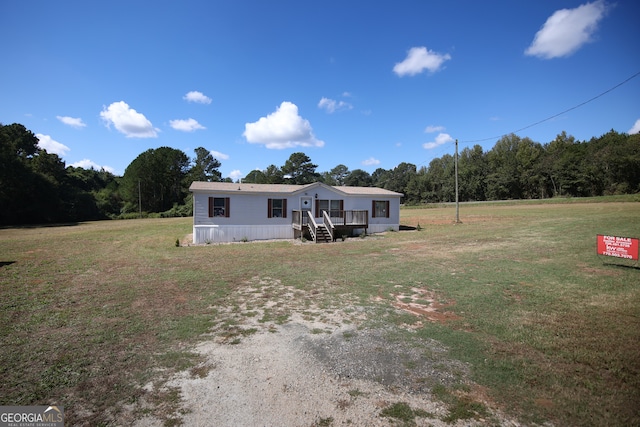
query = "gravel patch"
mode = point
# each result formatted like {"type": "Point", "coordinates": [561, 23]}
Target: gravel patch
{"type": "Point", "coordinates": [317, 368]}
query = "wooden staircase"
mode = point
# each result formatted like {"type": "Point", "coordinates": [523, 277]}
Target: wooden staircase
{"type": "Point", "coordinates": [333, 221]}
{"type": "Point", "coordinates": [322, 234]}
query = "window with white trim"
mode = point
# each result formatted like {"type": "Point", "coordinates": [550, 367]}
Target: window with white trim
{"type": "Point", "coordinates": [380, 209]}
{"type": "Point", "coordinates": [331, 206]}
{"type": "Point", "coordinates": [277, 208]}
{"type": "Point", "coordinates": [219, 207]}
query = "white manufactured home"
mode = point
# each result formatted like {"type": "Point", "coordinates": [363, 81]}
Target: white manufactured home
{"type": "Point", "coordinates": [229, 212]}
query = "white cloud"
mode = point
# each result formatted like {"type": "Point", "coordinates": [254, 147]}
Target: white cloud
{"type": "Point", "coordinates": [128, 121]}
{"type": "Point", "coordinates": [371, 161]}
{"type": "Point", "coordinates": [53, 147]}
{"type": "Point", "coordinates": [218, 155]}
{"type": "Point", "coordinates": [75, 122]}
{"type": "Point", "coordinates": [567, 30]}
{"type": "Point", "coordinates": [197, 97]}
{"type": "Point", "coordinates": [419, 59]}
{"type": "Point", "coordinates": [88, 164]}
{"type": "Point", "coordinates": [332, 105]}
{"type": "Point", "coordinates": [188, 125]}
{"type": "Point", "coordinates": [635, 128]}
{"type": "Point", "coordinates": [283, 128]}
{"type": "Point", "coordinates": [236, 174]}
{"type": "Point", "coordinates": [441, 139]}
{"type": "Point", "coordinates": [432, 129]}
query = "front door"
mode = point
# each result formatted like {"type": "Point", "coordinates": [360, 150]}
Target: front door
{"type": "Point", "coordinates": [306, 204]}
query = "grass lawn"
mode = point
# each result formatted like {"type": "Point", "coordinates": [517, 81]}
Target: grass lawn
{"type": "Point", "coordinates": [90, 312]}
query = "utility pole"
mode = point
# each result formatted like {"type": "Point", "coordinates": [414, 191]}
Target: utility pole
{"type": "Point", "coordinates": [457, 202]}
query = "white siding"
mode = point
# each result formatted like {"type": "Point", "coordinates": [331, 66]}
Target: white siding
{"type": "Point", "coordinates": [239, 233]}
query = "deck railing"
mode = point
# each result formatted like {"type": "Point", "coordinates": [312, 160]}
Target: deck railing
{"type": "Point", "coordinates": [299, 219]}
{"type": "Point", "coordinates": [339, 218]}
{"type": "Point", "coordinates": [350, 218]}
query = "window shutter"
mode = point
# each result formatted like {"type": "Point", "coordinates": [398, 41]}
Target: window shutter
{"type": "Point", "coordinates": [317, 209]}
{"type": "Point", "coordinates": [284, 208]}
{"type": "Point", "coordinates": [373, 209]}
{"type": "Point", "coordinates": [269, 208]}
{"type": "Point", "coordinates": [341, 205]}
{"type": "Point", "coordinates": [210, 207]}
{"type": "Point", "coordinates": [227, 209]}
{"type": "Point", "coordinates": [386, 208]}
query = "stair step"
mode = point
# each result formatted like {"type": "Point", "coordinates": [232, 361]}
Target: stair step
{"type": "Point", "coordinates": [322, 235]}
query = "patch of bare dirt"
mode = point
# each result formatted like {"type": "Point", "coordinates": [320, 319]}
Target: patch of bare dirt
{"type": "Point", "coordinates": [425, 305]}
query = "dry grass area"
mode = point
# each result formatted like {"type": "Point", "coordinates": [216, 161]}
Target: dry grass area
{"type": "Point", "coordinates": [100, 317]}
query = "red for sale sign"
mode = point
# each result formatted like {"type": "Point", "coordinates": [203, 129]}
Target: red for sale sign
{"type": "Point", "coordinates": [620, 247]}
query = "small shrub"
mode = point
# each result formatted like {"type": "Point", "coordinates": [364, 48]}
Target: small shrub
{"type": "Point", "coordinates": [177, 243]}
{"type": "Point", "coordinates": [419, 228]}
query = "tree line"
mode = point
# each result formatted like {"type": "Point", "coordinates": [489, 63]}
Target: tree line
{"type": "Point", "coordinates": [515, 168]}
{"type": "Point", "coordinates": [37, 187]}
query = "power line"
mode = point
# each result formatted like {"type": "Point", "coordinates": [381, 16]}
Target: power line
{"type": "Point", "coordinates": [551, 117]}
{"type": "Point", "coordinates": [560, 113]}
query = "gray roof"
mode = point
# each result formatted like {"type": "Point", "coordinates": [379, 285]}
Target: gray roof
{"type": "Point", "coordinates": [229, 187]}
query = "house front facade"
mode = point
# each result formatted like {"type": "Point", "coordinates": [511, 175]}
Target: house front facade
{"type": "Point", "coordinates": [228, 212]}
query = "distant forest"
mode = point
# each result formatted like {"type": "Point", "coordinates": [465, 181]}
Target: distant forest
{"type": "Point", "coordinates": [36, 187]}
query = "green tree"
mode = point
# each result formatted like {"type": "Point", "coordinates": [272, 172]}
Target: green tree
{"type": "Point", "coordinates": [338, 174]}
{"type": "Point", "coordinates": [564, 163]}
{"type": "Point", "coordinates": [420, 188]}
{"type": "Point", "coordinates": [274, 175]}
{"type": "Point", "coordinates": [613, 165]}
{"type": "Point", "coordinates": [503, 179]}
{"type": "Point", "coordinates": [91, 194]}
{"type": "Point", "coordinates": [300, 169]}
{"type": "Point", "coordinates": [255, 177]}
{"type": "Point", "coordinates": [400, 176]}
{"type": "Point", "coordinates": [472, 174]}
{"type": "Point", "coordinates": [441, 173]}
{"type": "Point", "coordinates": [358, 178]}
{"type": "Point", "coordinates": [531, 177]}
{"type": "Point", "coordinates": [155, 180]}
{"type": "Point", "coordinates": [29, 179]}
{"type": "Point", "coordinates": [204, 167]}
{"type": "Point", "coordinates": [379, 177]}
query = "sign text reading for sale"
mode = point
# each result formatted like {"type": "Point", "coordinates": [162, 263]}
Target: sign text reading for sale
{"type": "Point", "coordinates": [619, 247]}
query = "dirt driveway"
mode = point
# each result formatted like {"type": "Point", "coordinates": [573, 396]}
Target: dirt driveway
{"type": "Point", "coordinates": [318, 367]}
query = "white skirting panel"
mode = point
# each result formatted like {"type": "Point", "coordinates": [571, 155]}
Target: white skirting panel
{"type": "Point", "coordinates": [239, 233]}
{"type": "Point", "coordinates": [381, 228]}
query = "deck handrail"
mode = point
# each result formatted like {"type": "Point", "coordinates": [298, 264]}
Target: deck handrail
{"type": "Point", "coordinates": [313, 226]}
{"type": "Point", "coordinates": [328, 224]}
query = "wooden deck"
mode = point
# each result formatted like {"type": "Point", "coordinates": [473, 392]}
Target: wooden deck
{"type": "Point", "coordinates": [332, 223]}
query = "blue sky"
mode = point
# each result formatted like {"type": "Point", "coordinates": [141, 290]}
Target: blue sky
{"type": "Point", "coordinates": [364, 84]}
